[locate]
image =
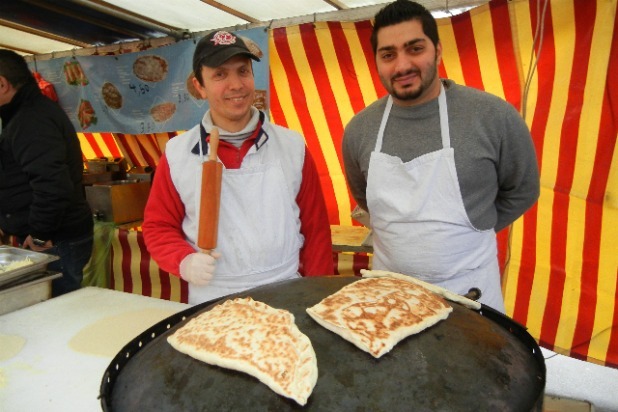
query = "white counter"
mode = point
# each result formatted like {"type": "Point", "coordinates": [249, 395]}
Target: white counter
{"type": "Point", "coordinates": [69, 341]}
{"type": "Point", "coordinates": [585, 381]}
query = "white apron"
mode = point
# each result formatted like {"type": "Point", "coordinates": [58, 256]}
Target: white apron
{"type": "Point", "coordinates": [258, 234]}
{"type": "Point", "coordinates": [420, 223]}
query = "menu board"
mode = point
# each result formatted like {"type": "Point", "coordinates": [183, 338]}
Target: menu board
{"type": "Point", "coordinates": [144, 92]}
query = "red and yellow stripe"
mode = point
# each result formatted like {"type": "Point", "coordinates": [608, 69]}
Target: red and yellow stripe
{"type": "Point", "coordinates": [133, 271]}
{"type": "Point", "coordinates": [561, 261]}
{"type": "Point", "coordinates": [96, 145]}
{"type": "Point", "coordinates": [138, 150]}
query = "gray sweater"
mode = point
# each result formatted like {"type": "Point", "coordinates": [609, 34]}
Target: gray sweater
{"type": "Point", "coordinates": [494, 154]}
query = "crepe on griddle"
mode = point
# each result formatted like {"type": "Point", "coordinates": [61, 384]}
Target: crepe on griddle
{"type": "Point", "coordinates": [445, 293]}
{"type": "Point", "coordinates": [150, 68]}
{"type": "Point", "coordinates": [252, 337]}
{"type": "Point", "coordinates": [377, 313]}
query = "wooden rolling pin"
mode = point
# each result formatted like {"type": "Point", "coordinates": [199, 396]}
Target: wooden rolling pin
{"type": "Point", "coordinates": [210, 196]}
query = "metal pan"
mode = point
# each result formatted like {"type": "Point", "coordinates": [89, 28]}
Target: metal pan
{"type": "Point", "coordinates": [10, 254]}
{"type": "Point", "coordinates": [472, 361]}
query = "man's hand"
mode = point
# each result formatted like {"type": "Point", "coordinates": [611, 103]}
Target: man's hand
{"type": "Point", "coordinates": [198, 268]}
{"type": "Point", "coordinates": [29, 244]}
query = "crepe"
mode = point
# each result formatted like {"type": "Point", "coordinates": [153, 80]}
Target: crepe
{"type": "Point", "coordinates": [163, 111]}
{"type": "Point", "coordinates": [111, 95]}
{"type": "Point", "coordinates": [191, 87]}
{"type": "Point", "coordinates": [377, 313]}
{"type": "Point", "coordinates": [150, 68]}
{"type": "Point", "coordinates": [254, 338]}
{"type": "Point", "coordinates": [445, 293]}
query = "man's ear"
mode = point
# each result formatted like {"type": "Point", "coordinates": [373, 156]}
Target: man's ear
{"type": "Point", "coordinates": [5, 86]}
{"type": "Point", "coordinates": [200, 89]}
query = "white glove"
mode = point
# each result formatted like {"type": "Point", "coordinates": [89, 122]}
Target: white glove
{"type": "Point", "coordinates": [198, 268]}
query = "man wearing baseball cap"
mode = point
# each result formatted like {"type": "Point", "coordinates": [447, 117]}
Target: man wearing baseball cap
{"type": "Point", "coordinates": [272, 221]}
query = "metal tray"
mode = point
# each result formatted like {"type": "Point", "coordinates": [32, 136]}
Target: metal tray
{"type": "Point", "coordinates": [10, 254]}
{"type": "Point", "coordinates": [27, 290]}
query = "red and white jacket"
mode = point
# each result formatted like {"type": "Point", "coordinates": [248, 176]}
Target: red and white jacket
{"type": "Point", "coordinates": [172, 212]}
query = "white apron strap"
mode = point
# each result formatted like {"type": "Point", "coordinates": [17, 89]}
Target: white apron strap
{"type": "Point", "coordinates": [444, 129]}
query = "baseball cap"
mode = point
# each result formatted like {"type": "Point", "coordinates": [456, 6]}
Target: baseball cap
{"type": "Point", "coordinates": [217, 47]}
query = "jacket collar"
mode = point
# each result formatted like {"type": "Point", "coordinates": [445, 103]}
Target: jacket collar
{"type": "Point", "coordinates": [260, 136]}
{"type": "Point", "coordinates": [24, 93]}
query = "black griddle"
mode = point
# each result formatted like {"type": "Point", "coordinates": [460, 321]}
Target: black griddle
{"type": "Point", "coordinates": [472, 361]}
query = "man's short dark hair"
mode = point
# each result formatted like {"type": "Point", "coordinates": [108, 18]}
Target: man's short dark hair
{"type": "Point", "coordinates": [401, 11]}
{"type": "Point", "coordinates": [14, 68]}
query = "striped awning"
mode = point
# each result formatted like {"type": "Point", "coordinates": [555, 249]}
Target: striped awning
{"type": "Point", "coordinates": [551, 60]}
{"type": "Point", "coordinates": [138, 150]}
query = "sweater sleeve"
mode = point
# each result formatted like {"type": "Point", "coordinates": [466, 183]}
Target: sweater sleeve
{"type": "Point", "coordinates": [352, 162]}
{"type": "Point", "coordinates": [316, 256]}
{"type": "Point", "coordinates": [163, 218]}
{"type": "Point", "coordinates": [518, 173]}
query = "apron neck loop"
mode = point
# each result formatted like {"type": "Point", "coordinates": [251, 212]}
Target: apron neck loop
{"type": "Point", "coordinates": [444, 128]}
{"type": "Point", "coordinates": [387, 112]}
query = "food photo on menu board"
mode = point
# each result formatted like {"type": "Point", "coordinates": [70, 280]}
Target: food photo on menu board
{"type": "Point", "coordinates": [150, 91]}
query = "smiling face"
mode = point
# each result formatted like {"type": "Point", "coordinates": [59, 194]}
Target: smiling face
{"type": "Point", "coordinates": [407, 63]}
{"type": "Point", "coordinates": [230, 90]}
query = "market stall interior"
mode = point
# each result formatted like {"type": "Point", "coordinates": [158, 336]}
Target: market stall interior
{"type": "Point", "coordinates": [40, 27]}
{"type": "Point", "coordinates": [507, 365]}
{"type": "Point", "coordinates": [119, 69]}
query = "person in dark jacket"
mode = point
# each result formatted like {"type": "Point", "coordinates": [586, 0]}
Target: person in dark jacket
{"type": "Point", "coordinates": [42, 200]}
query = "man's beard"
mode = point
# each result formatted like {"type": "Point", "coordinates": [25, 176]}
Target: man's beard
{"type": "Point", "coordinates": [413, 94]}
